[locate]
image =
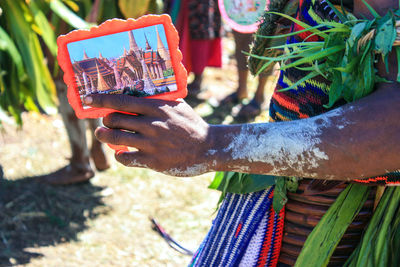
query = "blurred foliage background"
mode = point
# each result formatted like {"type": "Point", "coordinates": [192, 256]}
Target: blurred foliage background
{"type": "Point", "coordinates": [28, 49]}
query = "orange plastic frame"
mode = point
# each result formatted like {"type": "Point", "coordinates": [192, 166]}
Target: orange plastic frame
{"type": "Point", "coordinates": [111, 27]}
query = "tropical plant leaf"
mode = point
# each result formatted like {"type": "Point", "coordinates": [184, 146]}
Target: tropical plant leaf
{"type": "Point", "coordinates": [7, 44]}
{"type": "Point", "coordinates": [47, 32]}
{"type": "Point", "coordinates": [32, 56]}
{"type": "Point", "coordinates": [68, 16]}
{"type": "Point", "coordinates": [72, 5]}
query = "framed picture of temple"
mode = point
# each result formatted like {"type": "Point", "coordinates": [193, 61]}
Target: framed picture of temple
{"type": "Point", "coordinates": [133, 57]}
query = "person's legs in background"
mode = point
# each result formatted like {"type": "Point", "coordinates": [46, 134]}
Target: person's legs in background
{"type": "Point", "coordinates": [242, 42]}
{"type": "Point", "coordinates": [79, 168]}
{"type": "Point", "coordinates": [97, 152]}
{"type": "Point", "coordinates": [254, 107]}
{"type": "Point", "coordinates": [204, 53]}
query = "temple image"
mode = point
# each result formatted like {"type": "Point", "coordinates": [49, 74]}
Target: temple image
{"type": "Point", "coordinates": [139, 71]}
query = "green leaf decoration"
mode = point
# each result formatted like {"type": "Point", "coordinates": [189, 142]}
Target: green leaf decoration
{"type": "Point", "coordinates": [380, 243]}
{"type": "Point", "coordinates": [341, 15]}
{"type": "Point", "coordinates": [385, 34]}
{"type": "Point", "coordinates": [288, 34]}
{"type": "Point", "coordinates": [269, 25]}
{"type": "Point", "coordinates": [355, 35]}
{"type": "Point", "coordinates": [241, 183]}
{"type": "Point", "coordinates": [292, 184]}
{"type": "Point", "coordinates": [373, 12]}
{"type": "Point", "coordinates": [302, 24]}
{"type": "Point", "coordinates": [398, 63]}
{"type": "Point", "coordinates": [346, 56]}
{"type": "Point", "coordinates": [280, 198]}
{"type": "Point", "coordinates": [327, 234]}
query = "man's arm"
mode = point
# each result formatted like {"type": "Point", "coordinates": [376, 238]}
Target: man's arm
{"type": "Point", "coordinates": [358, 140]}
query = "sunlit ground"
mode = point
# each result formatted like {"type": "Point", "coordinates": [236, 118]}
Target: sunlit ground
{"type": "Point", "coordinates": [104, 222]}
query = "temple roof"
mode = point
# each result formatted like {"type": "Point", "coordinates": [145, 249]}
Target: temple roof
{"type": "Point", "coordinates": [131, 59]}
{"type": "Point", "coordinates": [151, 56]}
{"type": "Point", "coordinates": [89, 66]}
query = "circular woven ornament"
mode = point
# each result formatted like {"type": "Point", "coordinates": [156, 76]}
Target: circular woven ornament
{"type": "Point", "coordinates": [242, 15]}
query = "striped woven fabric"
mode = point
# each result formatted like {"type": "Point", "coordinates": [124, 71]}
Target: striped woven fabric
{"type": "Point", "coordinates": [245, 232]}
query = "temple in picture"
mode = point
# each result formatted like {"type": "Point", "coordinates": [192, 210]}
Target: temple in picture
{"type": "Point", "coordinates": [138, 71]}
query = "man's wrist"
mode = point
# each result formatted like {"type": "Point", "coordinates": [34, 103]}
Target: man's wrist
{"type": "Point", "coordinates": [218, 139]}
{"type": "Point", "coordinates": [212, 150]}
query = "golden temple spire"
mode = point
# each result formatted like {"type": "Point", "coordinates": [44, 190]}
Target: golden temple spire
{"type": "Point", "coordinates": [148, 47]}
{"type": "Point", "coordinates": [160, 45]}
{"type": "Point", "coordinates": [85, 56]}
{"type": "Point", "coordinates": [163, 52]}
{"type": "Point", "coordinates": [132, 43]}
{"type": "Point", "coordinates": [101, 83]}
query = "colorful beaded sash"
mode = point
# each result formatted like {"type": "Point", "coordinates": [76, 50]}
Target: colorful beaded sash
{"type": "Point", "coordinates": [245, 232]}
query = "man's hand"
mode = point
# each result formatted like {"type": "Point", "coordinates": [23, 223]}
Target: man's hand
{"type": "Point", "coordinates": [168, 135]}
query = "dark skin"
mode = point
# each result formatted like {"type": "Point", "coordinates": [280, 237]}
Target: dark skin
{"type": "Point", "coordinates": [357, 140]}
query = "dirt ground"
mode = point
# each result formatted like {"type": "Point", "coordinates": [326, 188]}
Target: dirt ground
{"type": "Point", "coordinates": [104, 222]}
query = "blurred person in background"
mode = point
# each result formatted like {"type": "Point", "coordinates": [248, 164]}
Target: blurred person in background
{"type": "Point", "coordinates": [79, 168]}
{"type": "Point", "coordinates": [199, 26]}
{"type": "Point", "coordinates": [254, 107]}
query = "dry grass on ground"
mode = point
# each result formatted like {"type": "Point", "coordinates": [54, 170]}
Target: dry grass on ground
{"type": "Point", "coordinates": [104, 222]}
{"type": "Point", "coordinates": [101, 223]}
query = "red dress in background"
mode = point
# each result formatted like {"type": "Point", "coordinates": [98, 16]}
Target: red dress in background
{"type": "Point", "coordinates": [199, 26]}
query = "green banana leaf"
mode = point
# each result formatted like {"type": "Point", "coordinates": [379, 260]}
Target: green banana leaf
{"type": "Point", "coordinates": [380, 242]}
{"type": "Point", "coordinates": [324, 238]}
